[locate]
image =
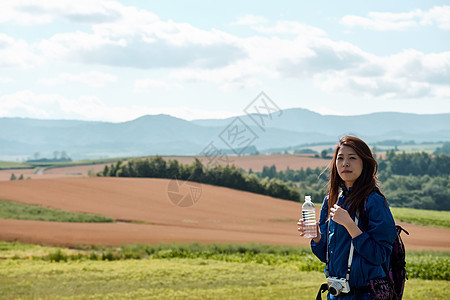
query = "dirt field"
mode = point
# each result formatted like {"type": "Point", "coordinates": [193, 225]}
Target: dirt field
{"type": "Point", "coordinates": [256, 163]}
{"type": "Point", "coordinates": [220, 215]}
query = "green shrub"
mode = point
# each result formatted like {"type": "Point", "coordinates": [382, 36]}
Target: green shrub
{"type": "Point", "coordinates": [57, 256]}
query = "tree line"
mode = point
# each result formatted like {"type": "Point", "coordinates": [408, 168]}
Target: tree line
{"type": "Point", "coordinates": [416, 180]}
{"type": "Point", "coordinates": [226, 176]}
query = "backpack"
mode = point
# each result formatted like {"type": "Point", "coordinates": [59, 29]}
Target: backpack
{"type": "Point", "coordinates": [397, 261]}
{"type": "Point", "coordinates": [397, 264]}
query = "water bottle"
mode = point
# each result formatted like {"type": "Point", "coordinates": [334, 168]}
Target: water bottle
{"type": "Point", "coordinates": [309, 218]}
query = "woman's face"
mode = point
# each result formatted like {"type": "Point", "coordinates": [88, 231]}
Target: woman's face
{"type": "Point", "coordinates": [349, 165]}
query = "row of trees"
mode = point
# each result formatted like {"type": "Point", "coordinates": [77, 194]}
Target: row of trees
{"type": "Point", "coordinates": [416, 180]}
{"type": "Point", "coordinates": [425, 192]}
{"type": "Point", "coordinates": [445, 149]}
{"type": "Point", "coordinates": [58, 156]}
{"type": "Point", "coordinates": [291, 175]}
{"type": "Point", "coordinates": [227, 176]}
{"type": "Point", "coordinates": [416, 163]}
{"type": "Point", "coordinates": [307, 181]}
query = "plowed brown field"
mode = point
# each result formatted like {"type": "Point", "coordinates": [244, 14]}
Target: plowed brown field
{"type": "Point", "coordinates": [147, 215]}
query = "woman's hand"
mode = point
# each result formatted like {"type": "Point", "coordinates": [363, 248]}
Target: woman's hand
{"type": "Point", "coordinates": [341, 216]}
{"type": "Point", "coordinates": [301, 229]}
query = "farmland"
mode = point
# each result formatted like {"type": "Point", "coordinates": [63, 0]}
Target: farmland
{"type": "Point", "coordinates": [229, 243]}
{"type": "Point", "coordinates": [182, 271]}
{"type": "Point", "coordinates": [146, 215]}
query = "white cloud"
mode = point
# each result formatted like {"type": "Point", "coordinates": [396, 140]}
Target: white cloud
{"type": "Point", "coordinates": [383, 21]}
{"type": "Point", "coordinates": [326, 55]}
{"type": "Point", "coordinates": [409, 74]}
{"type": "Point", "coordinates": [185, 46]}
{"type": "Point", "coordinates": [240, 75]}
{"type": "Point", "coordinates": [439, 15]}
{"type": "Point", "coordinates": [55, 106]}
{"type": "Point", "coordinates": [140, 39]}
{"type": "Point", "coordinates": [146, 85]}
{"type": "Point", "coordinates": [387, 21]}
{"type": "Point", "coordinates": [17, 53]}
{"type": "Point", "coordinates": [51, 81]}
{"type": "Point", "coordinates": [442, 92]}
{"type": "Point", "coordinates": [92, 78]}
{"type": "Point", "coordinates": [6, 80]}
{"type": "Point", "coordinates": [124, 36]}
{"type": "Point", "coordinates": [381, 87]}
{"type": "Point", "coordinates": [30, 12]}
{"type": "Point", "coordinates": [264, 55]}
{"type": "Point", "coordinates": [71, 46]}
{"type": "Point", "coordinates": [335, 66]}
{"type": "Point", "coordinates": [29, 104]}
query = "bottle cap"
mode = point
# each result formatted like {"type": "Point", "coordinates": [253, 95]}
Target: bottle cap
{"type": "Point", "coordinates": [308, 198]}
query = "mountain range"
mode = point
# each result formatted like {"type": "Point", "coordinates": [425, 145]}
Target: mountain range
{"type": "Point", "coordinates": [167, 135]}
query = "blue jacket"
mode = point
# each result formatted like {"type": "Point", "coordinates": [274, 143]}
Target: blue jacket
{"type": "Point", "coordinates": [372, 248]}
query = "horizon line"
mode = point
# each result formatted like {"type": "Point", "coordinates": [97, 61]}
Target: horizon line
{"type": "Point", "coordinates": [225, 118]}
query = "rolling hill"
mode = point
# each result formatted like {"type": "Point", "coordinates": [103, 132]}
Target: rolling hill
{"type": "Point", "coordinates": [146, 215]}
{"type": "Point", "coordinates": [167, 135]}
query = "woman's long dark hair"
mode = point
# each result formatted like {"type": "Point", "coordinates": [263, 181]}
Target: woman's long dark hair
{"type": "Point", "coordinates": [366, 182]}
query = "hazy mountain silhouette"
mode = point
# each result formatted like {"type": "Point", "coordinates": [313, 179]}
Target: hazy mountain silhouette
{"type": "Point", "coordinates": [167, 135]}
{"type": "Point", "coordinates": [301, 120]}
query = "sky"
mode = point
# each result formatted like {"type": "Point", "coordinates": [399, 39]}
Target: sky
{"type": "Point", "coordinates": [118, 60]}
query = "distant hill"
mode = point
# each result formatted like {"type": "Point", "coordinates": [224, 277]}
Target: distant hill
{"type": "Point", "coordinates": [167, 135]}
{"type": "Point", "coordinates": [376, 125]}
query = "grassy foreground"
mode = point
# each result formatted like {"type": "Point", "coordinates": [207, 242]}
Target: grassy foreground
{"type": "Point", "coordinates": [171, 279]}
{"type": "Point", "coordinates": [153, 279]}
{"type": "Point", "coordinates": [179, 271]}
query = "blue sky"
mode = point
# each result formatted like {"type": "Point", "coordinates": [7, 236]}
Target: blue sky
{"type": "Point", "coordinates": [118, 60]}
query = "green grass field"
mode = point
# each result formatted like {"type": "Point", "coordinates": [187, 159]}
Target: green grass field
{"type": "Point", "coordinates": [4, 165]}
{"type": "Point", "coordinates": [14, 165]}
{"type": "Point", "coordinates": [20, 211]}
{"type": "Point", "coordinates": [420, 264]}
{"type": "Point", "coordinates": [35, 272]}
{"type": "Point", "coordinates": [422, 217]}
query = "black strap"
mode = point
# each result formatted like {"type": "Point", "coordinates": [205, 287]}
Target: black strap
{"type": "Point", "coordinates": [361, 290]}
{"type": "Point", "coordinates": [323, 288]}
{"type": "Point", "coordinates": [357, 291]}
{"type": "Point", "coordinates": [402, 229]}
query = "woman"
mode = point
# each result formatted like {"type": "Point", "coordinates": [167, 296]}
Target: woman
{"type": "Point", "coordinates": [353, 189]}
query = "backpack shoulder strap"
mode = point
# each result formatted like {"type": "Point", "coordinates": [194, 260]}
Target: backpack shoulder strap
{"type": "Point", "coordinates": [362, 211]}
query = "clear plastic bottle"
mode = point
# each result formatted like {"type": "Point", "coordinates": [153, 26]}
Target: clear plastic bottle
{"type": "Point", "coordinates": [309, 218]}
